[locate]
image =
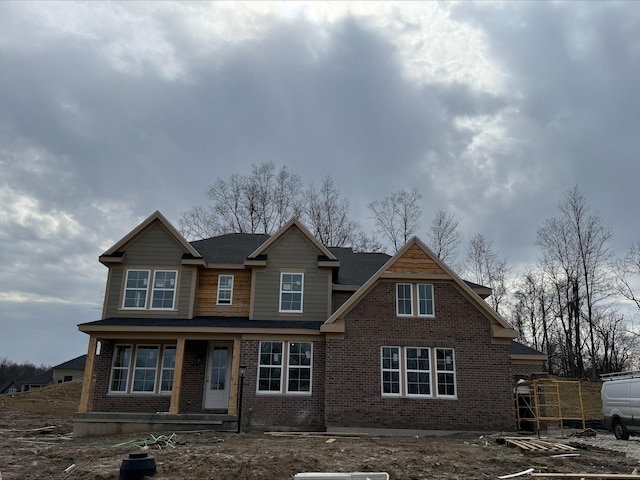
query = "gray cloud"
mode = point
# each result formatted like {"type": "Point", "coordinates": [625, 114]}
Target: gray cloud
{"type": "Point", "coordinates": [111, 111]}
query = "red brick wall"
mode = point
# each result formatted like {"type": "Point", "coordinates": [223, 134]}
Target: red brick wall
{"type": "Point", "coordinates": [282, 411]}
{"type": "Point", "coordinates": [483, 371]}
{"type": "Point", "coordinates": [138, 403]}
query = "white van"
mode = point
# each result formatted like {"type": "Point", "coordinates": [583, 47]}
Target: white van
{"type": "Point", "coordinates": [621, 403]}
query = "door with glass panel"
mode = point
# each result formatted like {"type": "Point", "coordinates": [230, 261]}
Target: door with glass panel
{"type": "Point", "coordinates": [218, 377]}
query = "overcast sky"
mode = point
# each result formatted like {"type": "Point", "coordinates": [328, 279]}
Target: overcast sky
{"type": "Point", "coordinates": [110, 111]}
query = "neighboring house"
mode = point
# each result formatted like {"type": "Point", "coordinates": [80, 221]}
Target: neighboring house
{"type": "Point", "coordinates": [37, 381]}
{"type": "Point", "coordinates": [316, 337]}
{"type": "Point", "coordinates": [9, 387]}
{"type": "Point", "coordinates": [70, 370]}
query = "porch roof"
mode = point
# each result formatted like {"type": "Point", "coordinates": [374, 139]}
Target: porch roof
{"type": "Point", "coordinates": [236, 324]}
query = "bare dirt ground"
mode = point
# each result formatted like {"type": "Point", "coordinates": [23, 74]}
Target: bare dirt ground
{"type": "Point", "coordinates": [29, 450]}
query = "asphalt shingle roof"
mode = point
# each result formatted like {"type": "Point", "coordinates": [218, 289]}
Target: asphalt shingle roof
{"type": "Point", "coordinates": [74, 364]}
{"type": "Point", "coordinates": [220, 322]}
{"type": "Point", "coordinates": [518, 348]}
{"type": "Point", "coordinates": [230, 248]}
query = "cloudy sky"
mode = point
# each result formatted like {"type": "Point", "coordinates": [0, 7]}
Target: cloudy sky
{"type": "Point", "coordinates": [110, 111]}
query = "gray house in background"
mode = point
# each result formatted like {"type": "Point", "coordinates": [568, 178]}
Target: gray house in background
{"type": "Point", "coordinates": [65, 372]}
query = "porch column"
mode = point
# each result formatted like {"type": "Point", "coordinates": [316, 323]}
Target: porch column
{"type": "Point", "coordinates": [235, 371]}
{"type": "Point", "coordinates": [87, 381]}
{"type": "Point", "coordinates": [177, 377]}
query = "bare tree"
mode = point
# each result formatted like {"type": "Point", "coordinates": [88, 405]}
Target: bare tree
{"type": "Point", "coordinates": [396, 216]}
{"type": "Point", "coordinates": [326, 214]}
{"type": "Point", "coordinates": [576, 254]}
{"type": "Point", "coordinates": [628, 272]}
{"type": "Point", "coordinates": [257, 203]}
{"type": "Point", "coordinates": [443, 237]}
{"type": "Point", "coordinates": [485, 267]}
{"type": "Point", "coordinates": [265, 200]}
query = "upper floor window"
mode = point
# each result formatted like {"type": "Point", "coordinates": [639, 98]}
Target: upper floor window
{"type": "Point", "coordinates": [425, 300]}
{"type": "Point", "coordinates": [405, 294]}
{"type": "Point", "coordinates": [404, 300]}
{"type": "Point", "coordinates": [291, 289]}
{"type": "Point", "coordinates": [225, 289]}
{"type": "Point", "coordinates": [163, 291]}
{"type": "Point", "coordinates": [136, 289]}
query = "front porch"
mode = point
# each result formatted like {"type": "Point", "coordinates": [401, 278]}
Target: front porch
{"type": "Point", "coordinates": [113, 423]}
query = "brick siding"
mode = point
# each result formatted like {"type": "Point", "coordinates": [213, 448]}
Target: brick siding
{"type": "Point", "coordinates": [483, 370]}
{"type": "Point", "coordinates": [282, 411]}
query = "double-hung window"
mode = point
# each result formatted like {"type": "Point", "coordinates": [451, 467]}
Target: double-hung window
{"type": "Point", "coordinates": [164, 289]}
{"type": "Point", "coordinates": [291, 290]}
{"type": "Point", "coordinates": [136, 289]}
{"type": "Point", "coordinates": [225, 289]}
{"type": "Point", "coordinates": [299, 367]}
{"type": "Point", "coordinates": [425, 300]}
{"type": "Point", "coordinates": [145, 369]}
{"type": "Point", "coordinates": [142, 369]}
{"type": "Point", "coordinates": [276, 358]}
{"type": "Point", "coordinates": [168, 367]}
{"type": "Point", "coordinates": [391, 371]}
{"type": "Point", "coordinates": [404, 299]}
{"type": "Point", "coordinates": [420, 372]}
{"type": "Point", "coordinates": [405, 294]}
{"type": "Point", "coordinates": [270, 367]}
{"type": "Point", "coordinates": [445, 372]}
{"type": "Point", "coordinates": [120, 369]}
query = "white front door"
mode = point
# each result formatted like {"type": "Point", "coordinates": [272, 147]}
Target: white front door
{"type": "Point", "coordinates": [218, 377]}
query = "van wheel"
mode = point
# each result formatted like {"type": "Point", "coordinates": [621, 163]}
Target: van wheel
{"type": "Point", "coordinates": [620, 431]}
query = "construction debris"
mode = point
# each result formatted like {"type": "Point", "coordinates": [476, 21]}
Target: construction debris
{"type": "Point", "coordinates": [534, 445]}
{"type": "Point", "coordinates": [589, 432]}
{"type": "Point", "coordinates": [150, 443]}
{"type": "Point", "coordinates": [512, 475]}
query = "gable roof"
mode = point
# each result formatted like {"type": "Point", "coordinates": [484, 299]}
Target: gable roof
{"type": "Point", "coordinates": [293, 223]}
{"type": "Point", "coordinates": [42, 379]}
{"type": "Point", "coordinates": [4, 387]}
{"type": "Point", "coordinates": [155, 217]}
{"type": "Point", "coordinates": [500, 328]}
{"type": "Point", "coordinates": [74, 364]}
{"type": "Point", "coordinates": [231, 248]}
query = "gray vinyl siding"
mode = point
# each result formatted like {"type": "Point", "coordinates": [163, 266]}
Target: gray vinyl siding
{"type": "Point", "coordinates": [292, 253]}
{"type": "Point", "coordinates": [155, 249]}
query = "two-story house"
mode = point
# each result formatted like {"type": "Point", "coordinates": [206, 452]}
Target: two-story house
{"type": "Point", "coordinates": [318, 337]}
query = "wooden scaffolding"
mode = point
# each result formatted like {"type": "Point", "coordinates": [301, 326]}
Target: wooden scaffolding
{"type": "Point", "coordinates": [542, 402]}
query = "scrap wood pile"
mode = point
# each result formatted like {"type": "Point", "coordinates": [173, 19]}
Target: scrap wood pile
{"type": "Point", "coordinates": [536, 445]}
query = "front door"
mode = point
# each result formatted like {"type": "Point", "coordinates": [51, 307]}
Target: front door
{"type": "Point", "coordinates": [218, 377]}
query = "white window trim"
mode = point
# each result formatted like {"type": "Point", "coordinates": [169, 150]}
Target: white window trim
{"type": "Point", "coordinates": [406, 374]}
{"type": "Point", "coordinates": [281, 366]}
{"type": "Point", "coordinates": [280, 310]}
{"type": "Point", "coordinates": [436, 371]}
{"type": "Point", "coordinates": [127, 369]}
{"type": "Point", "coordinates": [433, 301]}
{"type": "Point", "coordinates": [163, 369]}
{"type": "Point", "coordinates": [146, 294]}
{"type": "Point", "coordinates": [300, 367]}
{"type": "Point", "coordinates": [154, 289]}
{"type": "Point", "coordinates": [220, 289]}
{"type": "Point", "coordinates": [433, 374]}
{"type": "Point", "coordinates": [155, 373]}
{"type": "Point", "coordinates": [131, 370]}
{"type": "Point", "coordinates": [410, 314]}
{"type": "Point", "coordinates": [399, 370]}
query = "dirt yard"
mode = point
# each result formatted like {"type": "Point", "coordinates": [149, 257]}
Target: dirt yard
{"type": "Point", "coordinates": [35, 442]}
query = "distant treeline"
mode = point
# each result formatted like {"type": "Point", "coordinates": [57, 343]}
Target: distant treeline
{"type": "Point", "coordinates": [18, 371]}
